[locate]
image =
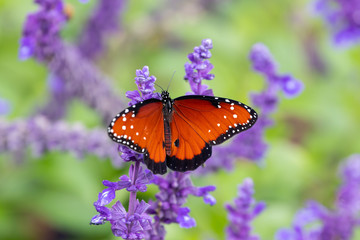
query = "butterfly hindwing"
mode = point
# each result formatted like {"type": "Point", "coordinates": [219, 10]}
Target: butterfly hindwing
{"type": "Point", "coordinates": [141, 128]}
{"type": "Point", "coordinates": [188, 149]}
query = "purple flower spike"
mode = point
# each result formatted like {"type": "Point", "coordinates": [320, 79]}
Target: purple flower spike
{"type": "Point", "coordinates": [174, 190]}
{"type": "Point", "coordinates": [102, 22]}
{"type": "Point", "coordinates": [242, 214]}
{"type": "Point", "coordinates": [251, 142]}
{"type": "Point", "coordinates": [317, 222]}
{"type": "Point", "coordinates": [4, 107]}
{"type": "Point", "coordinates": [264, 63]}
{"type": "Point", "coordinates": [199, 68]}
{"type": "Point", "coordinates": [262, 60]}
{"type": "Point", "coordinates": [20, 135]}
{"type": "Point", "coordinates": [146, 86]}
{"type": "Point", "coordinates": [343, 18]}
{"type": "Point", "coordinates": [134, 223]}
{"type": "Point", "coordinates": [129, 226]}
{"type": "Point", "coordinates": [41, 31]}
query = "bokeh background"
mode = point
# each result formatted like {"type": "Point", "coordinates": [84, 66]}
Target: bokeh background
{"type": "Point", "coordinates": [51, 197]}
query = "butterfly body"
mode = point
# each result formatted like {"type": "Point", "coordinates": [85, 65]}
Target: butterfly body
{"type": "Point", "coordinates": [179, 133]}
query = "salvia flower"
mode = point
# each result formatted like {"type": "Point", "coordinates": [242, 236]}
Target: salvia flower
{"type": "Point", "coordinates": [75, 76]}
{"type": "Point", "coordinates": [41, 31]}
{"type": "Point", "coordinates": [173, 192]}
{"type": "Point", "coordinates": [251, 144]}
{"type": "Point", "coordinates": [316, 222]}
{"type": "Point", "coordinates": [243, 212]}
{"type": "Point", "coordinates": [343, 18]}
{"type": "Point", "coordinates": [78, 78]}
{"type": "Point", "coordinates": [132, 184]}
{"type": "Point", "coordinates": [135, 222]}
{"type": "Point", "coordinates": [103, 21]}
{"type": "Point", "coordinates": [4, 107]}
{"type": "Point", "coordinates": [264, 63]}
{"type": "Point", "coordinates": [130, 224]}
{"type": "Point", "coordinates": [199, 68]}
{"type": "Point", "coordinates": [19, 135]}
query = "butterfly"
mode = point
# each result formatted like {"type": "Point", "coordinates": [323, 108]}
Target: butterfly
{"type": "Point", "coordinates": [179, 133]}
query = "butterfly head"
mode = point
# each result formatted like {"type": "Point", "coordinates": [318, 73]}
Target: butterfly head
{"type": "Point", "coordinates": [165, 96]}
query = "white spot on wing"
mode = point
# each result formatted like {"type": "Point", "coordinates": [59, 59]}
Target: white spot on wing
{"type": "Point", "coordinates": [123, 127]}
{"type": "Point", "coordinates": [235, 116]}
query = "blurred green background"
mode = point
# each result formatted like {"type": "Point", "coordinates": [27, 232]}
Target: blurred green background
{"type": "Point", "coordinates": [51, 197]}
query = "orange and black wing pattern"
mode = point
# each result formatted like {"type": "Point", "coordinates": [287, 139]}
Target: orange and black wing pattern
{"type": "Point", "coordinates": [199, 122]}
{"type": "Point", "coordinates": [141, 128]}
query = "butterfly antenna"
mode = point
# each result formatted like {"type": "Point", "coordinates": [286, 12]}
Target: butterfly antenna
{"type": "Point", "coordinates": [158, 86]}
{"type": "Point", "coordinates": [170, 81]}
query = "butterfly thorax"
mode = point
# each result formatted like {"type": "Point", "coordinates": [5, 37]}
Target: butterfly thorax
{"type": "Point", "coordinates": [167, 113]}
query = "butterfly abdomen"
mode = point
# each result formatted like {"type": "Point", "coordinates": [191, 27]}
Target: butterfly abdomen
{"type": "Point", "coordinates": [167, 113]}
{"type": "Point", "coordinates": [167, 137]}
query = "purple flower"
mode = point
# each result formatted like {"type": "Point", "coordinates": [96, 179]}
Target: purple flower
{"type": "Point", "coordinates": [174, 190]}
{"type": "Point", "coordinates": [130, 224]}
{"type": "Point", "coordinates": [199, 68]}
{"type": "Point", "coordinates": [4, 107]}
{"type": "Point", "coordinates": [90, 45]}
{"type": "Point", "coordinates": [343, 19]}
{"type": "Point", "coordinates": [41, 31]}
{"type": "Point", "coordinates": [146, 86]}
{"type": "Point", "coordinates": [264, 63]}
{"type": "Point", "coordinates": [241, 214]}
{"type": "Point", "coordinates": [135, 223]}
{"type": "Point", "coordinates": [41, 136]}
{"type": "Point", "coordinates": [316, 222]}
{"type": "Point", "coordinates": [251, 144]}
{"type": "Point", "coordinates": [103, 21]}
{"type": "Point", "coordinates": [75, 77]}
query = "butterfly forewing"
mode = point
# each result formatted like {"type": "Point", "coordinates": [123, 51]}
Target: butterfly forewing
{"type": "Point", "coordinates": [141, 128]}
{"type": "Point", "coordinates": [215, 119]}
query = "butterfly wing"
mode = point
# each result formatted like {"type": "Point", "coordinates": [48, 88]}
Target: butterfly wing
{"type": "Point", "coordinates": [198, 122]}
{"type": "Point", "coordinates": [141, 128]}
